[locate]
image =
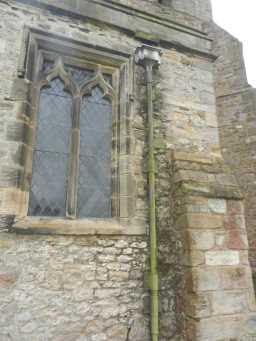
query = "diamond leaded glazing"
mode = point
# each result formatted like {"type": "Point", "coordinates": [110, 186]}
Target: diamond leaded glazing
{"type": "Point", "coordinates": [47, 65]}
{"type": "Point", "coordinates": [94, 182]}
{"type": "Point", "coordinates": [50, 162]}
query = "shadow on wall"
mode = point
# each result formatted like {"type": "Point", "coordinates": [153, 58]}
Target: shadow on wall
{"type": "Point", "coordinates": [165, 2]}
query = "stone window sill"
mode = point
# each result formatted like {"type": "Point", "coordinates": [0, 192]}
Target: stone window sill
{"type": "Point", "coordinates": [50, 226]}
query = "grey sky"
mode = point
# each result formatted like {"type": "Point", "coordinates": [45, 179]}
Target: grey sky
{"type": "Point", "coordinates": [239, 18]}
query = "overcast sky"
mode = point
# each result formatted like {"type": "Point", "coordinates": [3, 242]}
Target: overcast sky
{"type": "Point", "coordinates": [239, 18]}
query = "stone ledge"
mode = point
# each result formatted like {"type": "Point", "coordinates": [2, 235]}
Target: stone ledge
{"type": "Point", "coordinates": [46, 226]}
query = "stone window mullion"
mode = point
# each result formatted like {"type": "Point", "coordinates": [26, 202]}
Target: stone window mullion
{"type": "Point", "coordinates": [71, 208]}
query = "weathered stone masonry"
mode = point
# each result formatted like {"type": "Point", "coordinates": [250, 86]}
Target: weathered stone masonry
{"type": "Point", "coordinates": [92, 284]}
{"type": "Point", "coordinates": [216, 298]}
{"type": "Point", "coordinates": [236, 114]}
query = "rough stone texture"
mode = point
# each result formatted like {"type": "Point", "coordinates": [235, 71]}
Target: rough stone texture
{"type": "Point", "coordinates": [197, 8]}
{"type": "Point", "coordinates": [194, 7]}
{"type": "Point", "coordinates": [93, 288]}
{"type": "Point", "coordinates": [236, 104]}
{"type": "Point", "coordinates": [84, 288]}
{"type": "Point", "coordinates": [215, 283]}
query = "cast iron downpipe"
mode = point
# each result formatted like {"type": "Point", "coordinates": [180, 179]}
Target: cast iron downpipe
{"type": "Point", "coordinates": [149, 57]}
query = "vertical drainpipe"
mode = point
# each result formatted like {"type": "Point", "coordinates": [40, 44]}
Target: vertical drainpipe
{"type": "Point", "coordinates": [149, 57]}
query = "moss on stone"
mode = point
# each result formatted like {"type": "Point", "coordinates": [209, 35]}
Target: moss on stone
{"type": "Point", "coordinates": [148, 37]}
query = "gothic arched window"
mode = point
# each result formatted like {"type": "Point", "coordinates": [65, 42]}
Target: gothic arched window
{"type": "Point", "coordinates": [72, 156]}
{"type": "Point", "coordinates": [77, 173]}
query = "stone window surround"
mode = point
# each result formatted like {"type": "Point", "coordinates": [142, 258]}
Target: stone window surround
{"type": "Point", "coordinates": [36, 44]}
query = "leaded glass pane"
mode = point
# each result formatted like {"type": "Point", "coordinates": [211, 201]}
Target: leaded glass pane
{"type": "Point", "coordinates": [48, 191]}
{"type": "Point", "coordinates": [47, 65]}
{"type": "Point", "coordinates": [54, 118]}
{"type": "Point", "coordinates": [108, 78]}
{"type": "Point", "coordinates": [94, 183]}
{"type": "Point", "coordinates": [50, 161]}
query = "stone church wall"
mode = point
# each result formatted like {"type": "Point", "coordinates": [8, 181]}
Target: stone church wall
{"type": "Point", "coordinates": [94, 287]}
{"type": "Point", "coordinates": [236, 107]}
{"type": "Point", "coordinates": [197, 8]}
{"type": "Point", "coordinates": [89, 288]}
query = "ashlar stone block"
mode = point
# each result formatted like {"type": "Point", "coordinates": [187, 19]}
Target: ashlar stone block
{"type": "Point", "coordinates": [198, 306]}
{"type": "Point", "coordinates": [201, 221]}
{"type": "Point", "coordinates": [235, 277]}
{"type": "Point", "coordinates": [200, 240]}
{"type": "Point", "coordinates": [219, 258]}
{"type": "Point", "coordinates": [229, 302]}
{"type": "Point", "coordinates": [217, 206]}
{"type": "Point", "coordinates": [205, 279]}
{"type": "Point", "coordinates": [220, 328]}
{"type": "Point", "coordinates": [237, 240]}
